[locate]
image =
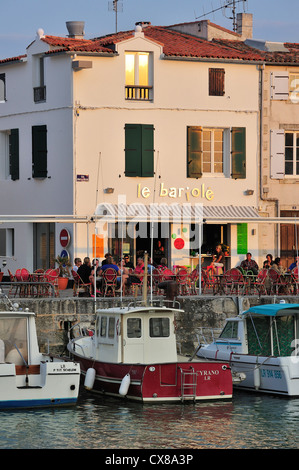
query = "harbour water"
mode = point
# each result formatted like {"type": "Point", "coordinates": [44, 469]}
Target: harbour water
{"type": "Point", "coordinates": [248, 421]}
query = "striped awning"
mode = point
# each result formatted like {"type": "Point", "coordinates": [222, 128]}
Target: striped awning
{"type": "Point", "coordinates": [176, 213]}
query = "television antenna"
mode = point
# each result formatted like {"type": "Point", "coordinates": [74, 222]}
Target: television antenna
{"type": "Point", "coordinates": [116, 6]}
{"type": "Point", "coordinates": [227, 5]}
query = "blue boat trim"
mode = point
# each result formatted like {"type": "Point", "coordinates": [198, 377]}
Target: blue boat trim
{"type": "Point", "coordinates": [37, 403]}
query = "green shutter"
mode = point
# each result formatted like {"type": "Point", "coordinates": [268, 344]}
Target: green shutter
{"type": "Point", "coordinates": [133, 149]}
{"type": "Point", "coordinates": [39, 152]}
{"type": "Point", "coordinates": [194, 152]}
{"type": "Point", "coordinates": [147, 153]}
{"type": "Point", "coordinates": [239, 152]}
{"type": "Point", "coordinates": [139, 150]}
{"type": "Point", "coordinates": [14, 154]}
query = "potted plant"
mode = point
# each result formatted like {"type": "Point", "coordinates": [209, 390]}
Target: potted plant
{"type": "Point", "coordinates": [64, 273]}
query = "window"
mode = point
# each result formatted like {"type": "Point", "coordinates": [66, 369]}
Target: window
{"type": "Point", "coordinates": [230, 330]}
{"type": "Point", "coordinates": [39, 92]}
{"type": "Point", "coordinates": [7, 242]}
{"type": "Point", "coordinates": [138, 76]}
{"type": "Point", "coordinates": [9, 154]}
{"type": "Point", "coordinates": [139, 150]}
{"type": "Point", "coordinates": [39, 152]}
{"type": "Point", "coordinates": [159, 327]}
{"type": "Point", "coordinates": [103, 328]}
{"type": "Point", "coordinates": [292, 153]}
{"type": "Point", "coordinates": [134, 328]}
{"type": "Point", "coordinates": [2, 88]}
{"type": "Point", "coordinates": [111, 327]}
{"type": "Point", "coordinates": [212, 155]}
{"type": "Point", "coordinates": [216, 82]}
{"type": "Point", "coordinates": [208, 150]}
{"type": "Point", "coordinates": [284, 156]}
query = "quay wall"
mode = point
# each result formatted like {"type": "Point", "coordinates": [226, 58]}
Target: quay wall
{"type": "Point", "coordinates": [55, 316]}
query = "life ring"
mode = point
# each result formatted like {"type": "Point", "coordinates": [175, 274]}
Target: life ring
{"type": "Point", "coordinates": [117, 328]}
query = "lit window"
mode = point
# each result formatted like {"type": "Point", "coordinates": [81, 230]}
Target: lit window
{"type": "Point", "coordinates": [137, 76]}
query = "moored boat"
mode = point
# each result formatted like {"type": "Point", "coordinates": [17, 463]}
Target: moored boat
{"type": "Point", "coordinates": [262, 343]}
{"type": "Point", "coordinates": [133, 353]}
{"type": "Point", "coordinates": [29, 378]}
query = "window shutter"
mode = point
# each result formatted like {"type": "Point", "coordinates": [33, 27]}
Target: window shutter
{"type": "Point", "coordinates": [277, 149]}
{"type": "Point", "coordinates": [39, 152]}
{"type": "Point", "coordinates": [194, 152]}
{"type": "Point", "coordinates": [147, 152]}
{"type": "Point", "coordinates": [239, 152]}
{"type": "Point", "coordinates": [279, 86]}
{"type": "Point", "coordinates": [2, 87]}
{"type": "Point", "coordinates": [14, 154]}
{"type": "Point", "coordinates": [133, 149]}
{"type": "Point", "coordinates": [216, 82]}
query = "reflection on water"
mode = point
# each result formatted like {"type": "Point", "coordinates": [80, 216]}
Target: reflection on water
{"type": "Point", "coordinates": [248, 421]}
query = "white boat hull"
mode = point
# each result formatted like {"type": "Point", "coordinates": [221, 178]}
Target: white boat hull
{"type": "Point", "coordinates": [273, 375]}
{"type": "Point", "coordinates": [44, 384]}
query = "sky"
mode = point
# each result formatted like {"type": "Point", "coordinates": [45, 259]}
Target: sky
{"type": "Point", "coordinates": [273, 20]}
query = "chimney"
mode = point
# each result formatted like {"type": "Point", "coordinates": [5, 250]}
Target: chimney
{"type": "Point", "coordinates": [143, 24]}
{"type": "Point", "coordinates": [75, 29]}
{"type": "Point", "coordinates": [244, 25]}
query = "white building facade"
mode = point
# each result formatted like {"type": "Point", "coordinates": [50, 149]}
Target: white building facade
{"type": "Point", "coordinates": [147, 117]}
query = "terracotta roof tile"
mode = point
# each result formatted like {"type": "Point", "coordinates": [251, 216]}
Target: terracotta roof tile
{"type": "Point", "coordinates": [13, 59]}
{"type": "Point", "coordinates": [74, 44]}
{"type": "Point", "coordinates": [177, 44]}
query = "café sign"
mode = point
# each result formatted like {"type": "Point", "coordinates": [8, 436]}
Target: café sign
{"type": "Point", "coordinates": [176, 193]}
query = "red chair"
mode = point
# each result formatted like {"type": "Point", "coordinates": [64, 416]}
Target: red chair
{"type": "Point", "coordinates": [194, 276]}
{"type": "Point", "coordinates": [182, 280]}
{"type": "Point", "coordinates": [259, 285]}
{"type": "Point", "coordinates": [109, 281]}
{"type": "Point", "coordinates": [80, 284]}
{"type": "Point", "coordinates": [52, 277]}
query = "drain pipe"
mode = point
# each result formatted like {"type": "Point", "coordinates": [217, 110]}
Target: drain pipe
{"type": "Point", "coordinates": [262, 197]}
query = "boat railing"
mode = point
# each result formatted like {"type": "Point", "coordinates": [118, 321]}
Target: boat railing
{"type": "Point", "coordinates": [155, 303]}
{"type": "Point", "coordinates": [206, 335]}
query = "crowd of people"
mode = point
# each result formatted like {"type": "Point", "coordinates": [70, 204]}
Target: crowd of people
{"type": "Point", "coordinates": [127, 273]}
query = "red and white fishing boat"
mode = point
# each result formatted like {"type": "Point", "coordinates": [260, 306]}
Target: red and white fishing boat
{"type": "Point", "coordinates": [133, 353]}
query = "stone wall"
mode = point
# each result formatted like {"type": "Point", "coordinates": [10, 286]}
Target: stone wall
{"type": "Point", "coordinates": [54, 317]}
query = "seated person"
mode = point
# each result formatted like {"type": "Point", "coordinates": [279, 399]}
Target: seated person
{"type": "Point", "coordinates": [277, 266]}
{"type": "Point", "coordinates": [249, 264]}
{"type": "Point", "coordinates": [268, 262]}
{"type": "Point", "coordinates": [137, 275]}
{"type": "Point", "coordinates": [294, 264]}
{"type": "Point", "coordinates": [77, 264]}
{"type": "Point", "coordinates": [216, 267]}
{"type": "Point", "coordinates": [110, 264]}
{"type": "Point", "coordinates": [84, 270]}
{"type": "Point", "coordinates": [128, 263]}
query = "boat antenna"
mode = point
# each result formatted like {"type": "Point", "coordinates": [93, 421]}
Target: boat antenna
{"type": "Point", "coordinates": [152, 226]}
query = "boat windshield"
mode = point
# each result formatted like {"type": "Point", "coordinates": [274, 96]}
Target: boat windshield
{"type": "Point", "coordinates": [230, 330]}
{"type": "Point", "coordinates": [13, 340]}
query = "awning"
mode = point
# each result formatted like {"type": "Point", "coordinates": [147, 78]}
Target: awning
{"type": "Point", "coordinates": [273, 309]}
{"type": "Point", "coordinates": [185, 213]}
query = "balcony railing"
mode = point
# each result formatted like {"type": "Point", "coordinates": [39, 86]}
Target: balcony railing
{"type": "Point", "coordinates": [139, 93]}
{"type": "Point", "coordinates": [39, 94]}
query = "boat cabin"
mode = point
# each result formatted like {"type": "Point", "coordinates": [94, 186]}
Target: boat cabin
{"type": "Point", "coordinates": [18, 341]}
{"type": "Point", "coordinates": [137, 335]}
{"type": "Point", "coordinates": [263, 330]}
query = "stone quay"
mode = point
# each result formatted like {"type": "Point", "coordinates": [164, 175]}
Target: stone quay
{"type": "Point", "coordinates": [202, 314]}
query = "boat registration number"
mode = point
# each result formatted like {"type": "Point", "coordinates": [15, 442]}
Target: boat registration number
{"type": "Point", "coordinates": [269, 373]}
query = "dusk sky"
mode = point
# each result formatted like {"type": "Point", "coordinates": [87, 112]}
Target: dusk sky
{"type": "Point", "coordinates": [274, 20]}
